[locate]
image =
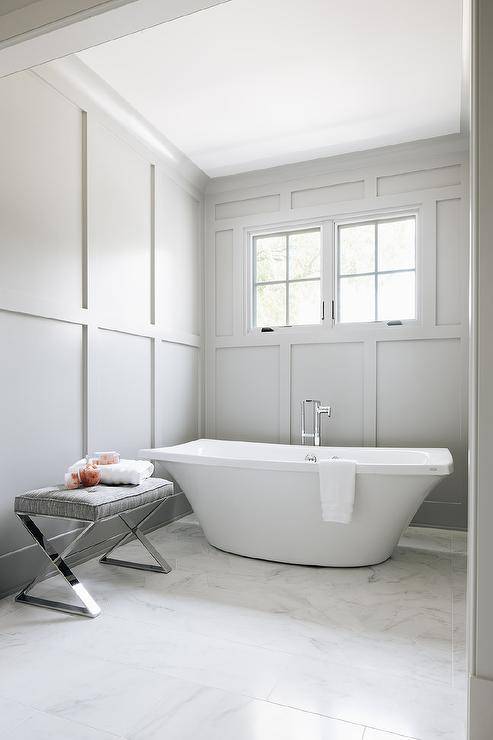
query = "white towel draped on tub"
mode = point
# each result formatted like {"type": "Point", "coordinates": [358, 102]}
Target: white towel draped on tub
{"type": "Point", "coordinates": [337, 486]}
{"type": "Point", "coordinates": [125, 472]}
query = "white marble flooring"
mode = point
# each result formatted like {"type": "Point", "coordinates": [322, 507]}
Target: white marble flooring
{"type": "Point", "coordinates": [228, 648]}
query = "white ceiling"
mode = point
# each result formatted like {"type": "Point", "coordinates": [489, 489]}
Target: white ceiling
{"type": "Point", "coordinates": [257, 83]}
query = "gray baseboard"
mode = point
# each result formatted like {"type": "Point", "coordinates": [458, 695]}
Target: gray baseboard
{"type": "Point", "coordinates": [442, 514]}
{"type": "Point", "coordinates": [19, 567]}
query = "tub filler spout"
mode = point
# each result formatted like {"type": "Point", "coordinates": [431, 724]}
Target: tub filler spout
{"type": "Point", "coordinates": [312, 438]}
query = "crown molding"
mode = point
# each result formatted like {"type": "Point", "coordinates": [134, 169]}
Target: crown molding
{"type": "Point", "coordinates": [86, 89]}
{"type": "Point", "coordinates": [412, 151]}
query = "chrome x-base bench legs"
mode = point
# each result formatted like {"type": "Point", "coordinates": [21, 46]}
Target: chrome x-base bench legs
{"type": "Point", "coordinates": [89, 607]}
{"type": "Point", "coordinates": [135, 531]}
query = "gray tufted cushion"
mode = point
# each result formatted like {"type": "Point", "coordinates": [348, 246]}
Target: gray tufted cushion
{"type": "Point", "coordinates": [94, 503]}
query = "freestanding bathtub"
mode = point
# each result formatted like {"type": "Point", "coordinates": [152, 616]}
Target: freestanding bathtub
{"type": "Point", "coordinates": [263, 500]}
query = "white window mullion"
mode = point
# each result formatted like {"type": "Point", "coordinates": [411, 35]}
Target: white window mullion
{"type": "Point", "coordinates": [375, 312]}
{"type": "Point", "coordinates": [327, 278]}
{"type": "Point", "coordinates": [287, 279]}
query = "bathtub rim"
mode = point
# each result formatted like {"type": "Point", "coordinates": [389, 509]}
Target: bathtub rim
{"type": "Point", "coordinates": [439, 463]}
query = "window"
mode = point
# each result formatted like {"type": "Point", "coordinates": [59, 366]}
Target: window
{"type": "Point", "coordinates": [376, 270]}
{"type": "Point", "coordinates": [286, 278]}
{"type": "Point", "coordinates": [373, 280]}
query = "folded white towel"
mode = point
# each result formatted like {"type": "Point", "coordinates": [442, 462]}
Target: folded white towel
{"type": "Point", "coordinates": [126, 472]}
{"type": "Point", "coordinates": [337, 487]}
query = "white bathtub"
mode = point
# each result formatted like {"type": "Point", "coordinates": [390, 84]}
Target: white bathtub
{"type": "Point", "coordinates": [262, 500]}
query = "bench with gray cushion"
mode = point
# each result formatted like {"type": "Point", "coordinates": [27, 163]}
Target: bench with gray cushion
{"type": "Point", "coordinates": [91, 505]}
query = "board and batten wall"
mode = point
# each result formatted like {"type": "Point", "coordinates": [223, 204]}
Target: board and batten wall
{"type": "Point", "coordinates": [398, 386]}
{"type": "Point", "coordinates": [100, 301]}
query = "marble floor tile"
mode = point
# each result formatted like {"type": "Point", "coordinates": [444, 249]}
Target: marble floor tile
{"type": "Point", "coordinates": [426, 538]}
{"type": "Point", "coordinates": [371, 734]}
{"type": "Point", "coordinates": [226, 646]}
{"type": "Point", "coordinates": [403, 705]}
{"type": "Point", "coordinates": [459, 609]}
{"type": "Point", "coordinates": [43, 726]}
{"type": "Point", "coordinates": [410, 599]}
{"type": "Point", "coordinates": [214, 662]}
{"type": "Point", "coordinates": [292, 623]}
{"type": "Point", "coordinates": [12, 714]}
{"type": "Point", "coordinates": [459, 542]}
{"type": "Point", "coordinates": [218, 717]}
{"type": "Point", "coordinates": [133, 703]}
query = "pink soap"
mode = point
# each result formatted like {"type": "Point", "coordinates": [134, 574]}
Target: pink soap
{"type": "Point", "coordinates": [107, 458]}
{"type": "Point", "coordinates": [90, 475]}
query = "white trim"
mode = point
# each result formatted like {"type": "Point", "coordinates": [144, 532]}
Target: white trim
{"type": "Point", "coordinates": [43, 15]}
{"type": "Point", "coordinates": [68, 35]}
{"type": "Point", "coordinates": [473, 398]}
{"type": "Point", "coordinates": [43, 310]}
{"type": "Point", "coordinates": [341, 209]}
{"type": "Point", "coordinates": [309, 335]}
{"type": "Point", "coordinates": [85, 89]}
{"type": "Point", "coordinates": [422, 154]}
{"type": "Point", "coordinates": [480, 708]}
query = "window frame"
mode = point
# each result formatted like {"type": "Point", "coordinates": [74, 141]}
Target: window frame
{"type": "Point", "coordinates": [328, 225]}
{"type": "Point", "coordinates": [400, 215]}
{"type": "Point", "coordinates": [252, 283]}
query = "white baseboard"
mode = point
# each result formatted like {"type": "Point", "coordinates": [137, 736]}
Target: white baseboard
{"type": "Point", "coordinates": [480, 709]}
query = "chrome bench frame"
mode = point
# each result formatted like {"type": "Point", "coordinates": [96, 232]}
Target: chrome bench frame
{"type": "Point", "coordinates": [57, 560]}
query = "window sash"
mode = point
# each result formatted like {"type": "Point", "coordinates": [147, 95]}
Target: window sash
{"type": "Point", "coordinates": [287, 281]}
{"type": "Point", "coordinates": [376, 272]}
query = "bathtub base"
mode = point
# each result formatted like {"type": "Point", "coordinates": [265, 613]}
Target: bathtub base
{"type": "Point", "coordinates": [292, 562]}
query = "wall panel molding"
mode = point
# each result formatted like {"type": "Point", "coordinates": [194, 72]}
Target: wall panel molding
{"type": "Point", "coordinates": [108, 379]}
{"type": "Point", "coordinates": [74, 80]}
{"type": "Point", "coordinates": [428, 174]}
{"type": "Point", "coordinates": [408, 182]}
{"type": "Point", "coordinates": [450, 262]}
{"type": "Point", "coordinates": [340, 191]}
{"type": "Point", "coordinates": [247, 397]}
{"type": "Point", "coordinates": [335, 375]}
{"type": "Point", "coordinates": [247, 207]}
{"type": "Point", "coordinates": [223, 279]}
